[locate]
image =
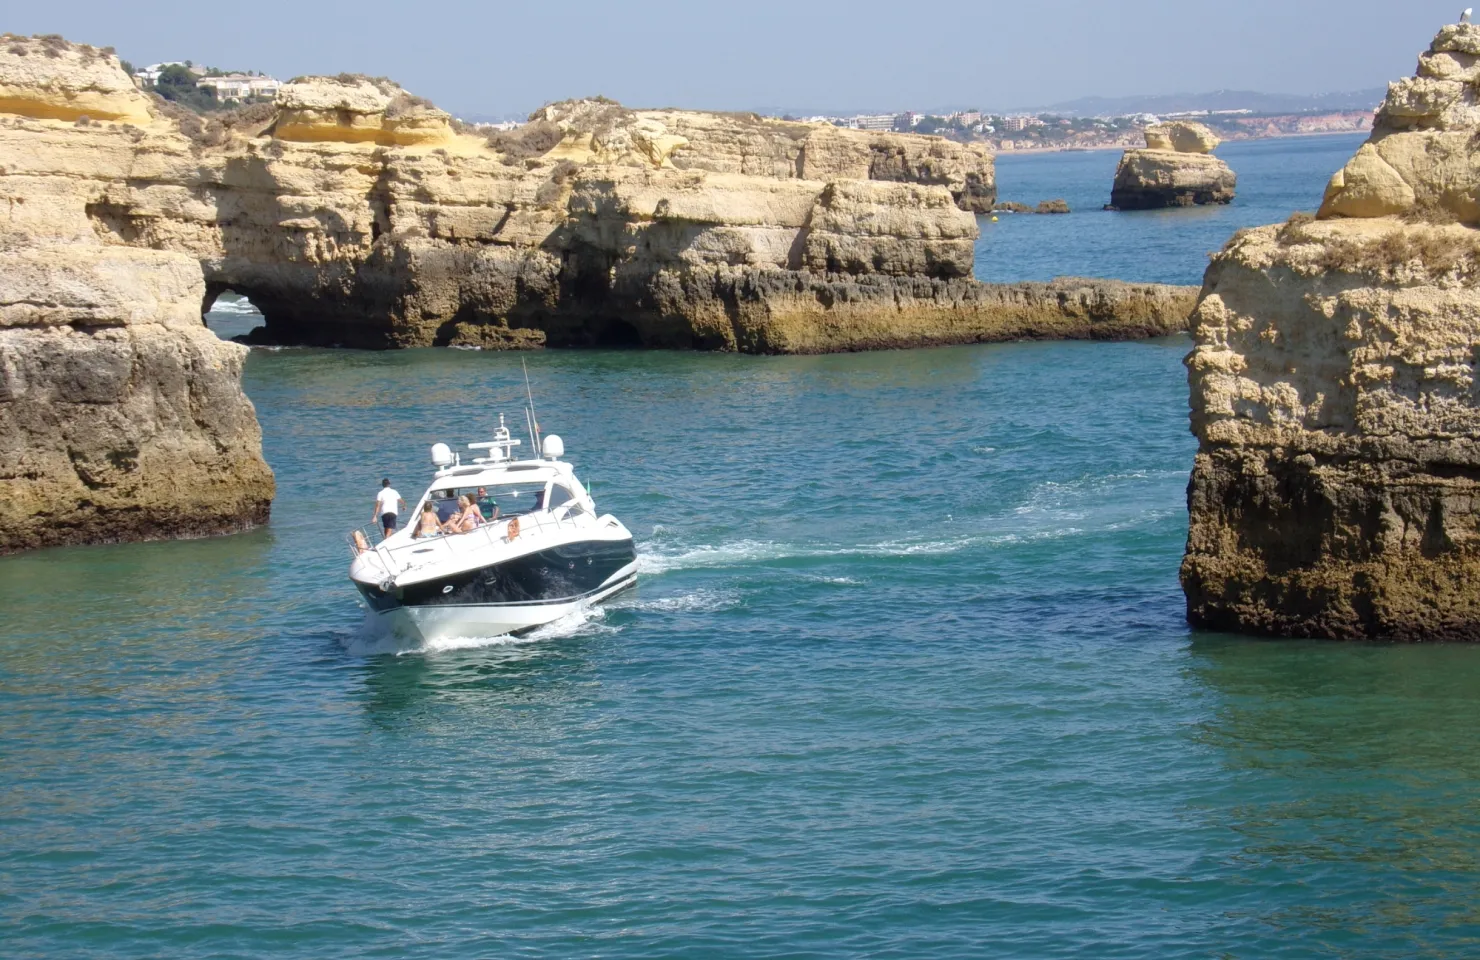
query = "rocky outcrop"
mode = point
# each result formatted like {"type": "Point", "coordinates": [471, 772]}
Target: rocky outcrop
{"type": "Point", "coordinates": [121, 416]}
{"type": "Point", "coordinates": [1336, 491]}
{"type": "Point", "coordinates": [356, 214]}
{"type": "Point", "coordinates": [1176, 169]}
{"type": "Point", "coordinates": [1421, 157]}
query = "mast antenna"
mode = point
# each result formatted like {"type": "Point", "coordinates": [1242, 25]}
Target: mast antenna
{"type": "Point", "coordinates": [534, 432]}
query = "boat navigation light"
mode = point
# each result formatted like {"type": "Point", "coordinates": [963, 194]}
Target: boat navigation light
{"type": "Point", "coordinates": [441, 455]}
{"type": "Point", "coordinates": [554, 447]}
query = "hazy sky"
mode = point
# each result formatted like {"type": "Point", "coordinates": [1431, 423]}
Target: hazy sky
{"type": "Point", "coordinates": [492, 57]}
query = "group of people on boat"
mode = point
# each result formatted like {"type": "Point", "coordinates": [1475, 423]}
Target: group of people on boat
{"type": "Point", "coordinates": [465, 518]}
{"type": "Point", "coordinates": [445, 512]}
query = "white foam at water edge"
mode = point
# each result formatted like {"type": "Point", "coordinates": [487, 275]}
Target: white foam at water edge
{"type": "Point", "coordinates": [740, 552]}
{"type": "Point", "coordinates": [373, 639]}
{"type": "Point", "coordinates": [240, 308]}
{"type": "Point", "coordinates": [700, 601]}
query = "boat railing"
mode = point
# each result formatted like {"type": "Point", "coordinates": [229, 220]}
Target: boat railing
{"type": "Point", "coordinates": [402, 557]}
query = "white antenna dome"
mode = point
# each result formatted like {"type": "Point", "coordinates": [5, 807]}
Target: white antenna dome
{"type": "Point", "coordinates": [441, 455]}
{"type": "Point", "coordinates": [554, 447]}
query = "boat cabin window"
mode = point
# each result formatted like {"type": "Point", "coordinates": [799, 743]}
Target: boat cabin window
{"type": "Point", "coordinates": [511, 499]}
{"type": "Point", "coordinates": [559, 495]}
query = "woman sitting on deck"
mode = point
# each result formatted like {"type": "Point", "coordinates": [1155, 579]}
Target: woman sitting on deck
{"type": "Point", "coordinates": [467, 519]}
{"type": "Point", "coordinates": [427, 525]}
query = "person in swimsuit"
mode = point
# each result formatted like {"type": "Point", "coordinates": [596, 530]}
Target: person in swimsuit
{"type": "Point", "coordinates": [428, 526]}
{"type": "Point", "coordinates": [467, 518]}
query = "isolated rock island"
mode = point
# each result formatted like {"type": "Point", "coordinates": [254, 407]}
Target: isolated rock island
{"type": "Point", "coordinates": [352, 213]}
{"type": "Point", "coordinates": [1175, 169]}
{"type": "Point", "coordinates": [1336, 491]}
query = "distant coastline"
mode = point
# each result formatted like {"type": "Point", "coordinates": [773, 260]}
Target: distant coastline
{"type": "Point", "coordinates": [1077, 148]}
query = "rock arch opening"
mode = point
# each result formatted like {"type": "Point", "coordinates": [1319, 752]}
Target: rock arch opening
{"type": "Point", "coordinates": [230, 314]}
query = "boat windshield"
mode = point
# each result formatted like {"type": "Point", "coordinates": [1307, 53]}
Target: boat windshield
{"type": "Point", "coordinates": [510, 499]}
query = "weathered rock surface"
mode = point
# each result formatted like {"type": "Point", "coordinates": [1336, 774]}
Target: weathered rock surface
{"type": "Point", "coordinates": [121, 416]}
{"type": "Point", "coordinates": [1336, 491]}
{"type": "Point", "coordinates": [1182, 137]}
{"type": "Point", "coordinates": [359, 215]}
{"type": "Point", "coordinates": [1421, 154]}
{"type": "Point", "coordinates": [1176, 169]}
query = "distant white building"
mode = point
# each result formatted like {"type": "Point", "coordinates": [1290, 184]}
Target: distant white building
{"type": "Point", "coordinates": [241, 86]}
{"type": "Point", "coordinates": [1020, 123]}
{"type": "Point", "coordinates": [149, 76]}
{"type": "Point", "coordinates": [873, 121]}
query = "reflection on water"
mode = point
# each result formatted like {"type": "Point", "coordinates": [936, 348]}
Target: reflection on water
{"type": "Point", "coordinates": [906, 673]}
{"type": "Point", "coordinates": [1364, 810]}
{"type": "Point", "coordinates": [478, 686]}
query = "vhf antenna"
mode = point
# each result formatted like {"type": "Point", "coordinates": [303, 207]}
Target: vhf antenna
{"type": "Point", "coordinates": [534, 421]}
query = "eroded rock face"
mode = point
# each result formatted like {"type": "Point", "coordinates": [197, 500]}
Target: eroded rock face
{"type": "Point", "coordinates": [1176, 169]}
{"type": "Point", "coordinates": [1421, 154]}
{"type": "Point", "coordinates": [121, 417]}
{"type": "Point", "coordinates": [1336, 491]}
{"type": "Point", "coordinates": [359, 215]}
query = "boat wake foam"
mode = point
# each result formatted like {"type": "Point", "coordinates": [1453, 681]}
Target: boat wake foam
{"type": "Point", "coordinates": [699, 601]}
{"type": "Point", "coordinates": [373, 639]}
{"type": "Point", "coordinates": [1051, 510]}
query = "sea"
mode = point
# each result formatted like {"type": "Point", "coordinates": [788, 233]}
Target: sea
{"type": "Point", "coordinates": [906, 675]}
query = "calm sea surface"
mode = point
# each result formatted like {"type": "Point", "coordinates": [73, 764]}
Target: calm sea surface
{"type": "Point", "coordinates": [1275, 179]}
{"type": "Point", "coordinates": [906, 676]}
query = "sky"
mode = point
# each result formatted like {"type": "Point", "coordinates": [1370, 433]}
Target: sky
{"type": "Point", "coordinates": [494, 58]}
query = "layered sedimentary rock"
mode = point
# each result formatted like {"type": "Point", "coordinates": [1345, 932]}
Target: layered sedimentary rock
{"type": "Point", "coordinates": [352, 213]}
{"type": "Point", "coordinates": [121, 416]}
{"type": "Point", "coordinates": [1336, 491]}
{"type": "Point", "coordinates": [1175, 169]}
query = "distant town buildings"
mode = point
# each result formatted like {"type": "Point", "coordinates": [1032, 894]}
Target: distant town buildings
{"type": "Point", "coordinates": [1023, 131]}
{"type": "Point", "coordinates": [1016, 124]}
{"type": "Point", "coordinates": [226, 86]}
{"type": "Point", "coordinates": [149, 76]}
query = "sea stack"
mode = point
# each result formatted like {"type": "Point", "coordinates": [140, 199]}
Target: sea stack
{"type": "Point", "coordinates": [1336, 491]}
{"type": "Point", "coordinates": [1175, 169]}
{"type": "Point", "coordinates": [121, 416]}
{"type": "Point", "coordinates": [355, 214]}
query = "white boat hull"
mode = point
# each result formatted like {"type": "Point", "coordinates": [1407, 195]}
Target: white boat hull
{"type": "Point", "coordinates": [430, 624]}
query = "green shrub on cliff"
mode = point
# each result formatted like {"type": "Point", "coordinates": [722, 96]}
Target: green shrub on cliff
{"type": "Point", "coordinates": [177, 85]}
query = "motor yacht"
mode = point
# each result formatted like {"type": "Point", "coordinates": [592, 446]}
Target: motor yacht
{"type": "Point", "coordinates": [542, 553]}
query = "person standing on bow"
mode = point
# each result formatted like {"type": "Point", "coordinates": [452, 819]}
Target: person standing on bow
{"type": "Point", "coordinates": [388, 504]}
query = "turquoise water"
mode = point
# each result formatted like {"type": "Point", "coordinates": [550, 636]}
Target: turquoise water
{"type": "Point", "coordinates": [906, 676]}
{"type": "Point", "coordinates": [1275, 179]}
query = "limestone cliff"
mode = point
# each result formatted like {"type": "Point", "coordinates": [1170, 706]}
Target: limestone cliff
{"type": "Point", "coordinates": [1176, 169]}
{"type": "Point", "coordinates": [353, 213]}
{"type": "Point", "coordinates": [121, 416]}
{"type": "Point", "coordinates": [1336, 491]}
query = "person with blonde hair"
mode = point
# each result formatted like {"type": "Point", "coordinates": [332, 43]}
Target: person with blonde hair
{"type": "Point", "coordinates": [467, 518]}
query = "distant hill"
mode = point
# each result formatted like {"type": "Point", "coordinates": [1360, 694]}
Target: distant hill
{"type": "Point", "coordinates": [1218, 100]}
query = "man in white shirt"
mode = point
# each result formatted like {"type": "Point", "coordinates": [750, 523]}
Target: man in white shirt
{"type": "Point", "coordinates": [388, 503]}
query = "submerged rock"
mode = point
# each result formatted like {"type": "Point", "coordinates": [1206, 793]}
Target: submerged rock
{"type": "Point", "coordinates": [1176, 169]}
{"type": "Point", "coordinates": [1336, 491]}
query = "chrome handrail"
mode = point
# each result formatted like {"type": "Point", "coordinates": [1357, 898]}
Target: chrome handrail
{"type": "Point", "coordinates": [493, 533]}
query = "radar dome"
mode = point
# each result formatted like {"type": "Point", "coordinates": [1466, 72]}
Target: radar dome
{"type": "Point", "coordinates": [441, 455]}
{"type": "Point", "coordinates": [554, 447]}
